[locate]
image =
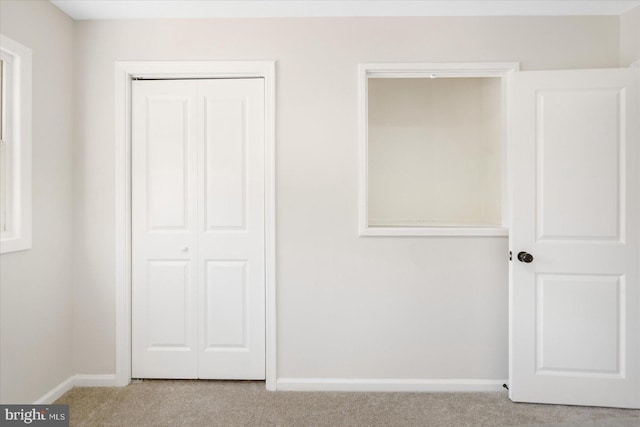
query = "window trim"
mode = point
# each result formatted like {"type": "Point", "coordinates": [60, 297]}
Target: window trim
{"type": "Point", "coordinates": [18, 216]}
{"type": "Point", "coordinates": [504, 70]}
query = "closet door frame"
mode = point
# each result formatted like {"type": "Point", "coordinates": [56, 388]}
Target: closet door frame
{"type": "Point", "coordinates": [125, 73]}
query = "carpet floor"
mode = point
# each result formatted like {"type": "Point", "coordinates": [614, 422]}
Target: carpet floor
{"type": "Point", "coordinates": [247, 403]}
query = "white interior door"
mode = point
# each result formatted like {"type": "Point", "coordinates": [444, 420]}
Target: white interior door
{"type": "Point", "coordinates": [164, 230]}
{"type": "Point", "coordinates": [198, 229]}
{"type": "Point", "coordinates": [231, 221]}
{"type": "Point", "coordinates": [574, 324]}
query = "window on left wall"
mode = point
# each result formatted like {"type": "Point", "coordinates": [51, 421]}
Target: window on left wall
{"type": "Point", "coordinates": [15, 146]}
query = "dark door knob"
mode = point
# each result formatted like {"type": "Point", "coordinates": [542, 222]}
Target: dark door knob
{"type": "Point", "coordinates": [525, 257]}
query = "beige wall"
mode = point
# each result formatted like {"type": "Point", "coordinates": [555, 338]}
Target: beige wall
{"type": "Point", "coordinates": [348, 307]}
{"type": "Point", "coordinates": [630, 37]}
{"type": "Point", "coordinates": [35, 285]}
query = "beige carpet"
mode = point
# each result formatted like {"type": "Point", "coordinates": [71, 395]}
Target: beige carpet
{"type": "Point", "coordinates": [247, 403]}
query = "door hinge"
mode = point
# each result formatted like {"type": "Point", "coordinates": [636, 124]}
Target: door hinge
{"type": "Point", "coordinates": [510, 255]}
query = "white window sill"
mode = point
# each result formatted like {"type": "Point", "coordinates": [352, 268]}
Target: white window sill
{"type": "Point", "coordinates": [434, 231]}
{"type": "Point", "coordinates": [14, 244]}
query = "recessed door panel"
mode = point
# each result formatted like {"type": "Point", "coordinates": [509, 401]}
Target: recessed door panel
{"type": "Point", "coordinates": [579, 159]}
{"type": "Point", "coordinates": [225, 147]}
{"type": "Point", "coordinates": [226, 304]}
{"type": "Point", "coordinates": [578, 324]}
{"type": "Point", "coordinates": [167, 167]}
{"type": "Point", "coordinates": [169, 304]}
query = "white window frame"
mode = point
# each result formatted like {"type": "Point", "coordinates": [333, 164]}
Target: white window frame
{"type": "Point", "coordinates": [17, 236]}
{"type": "Point", "coordinates": [504, 70]}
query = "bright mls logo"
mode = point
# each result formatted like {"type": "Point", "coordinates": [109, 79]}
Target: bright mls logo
{"type": "Point", "coordinates": [37, 415]}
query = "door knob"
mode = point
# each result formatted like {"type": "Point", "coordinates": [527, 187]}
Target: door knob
{"type": "Point", "coordinates": [525, 257]}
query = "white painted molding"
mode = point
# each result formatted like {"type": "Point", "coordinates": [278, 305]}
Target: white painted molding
{"type": "Point", "coordinates": [308, 384]}
{"type": "Point", "coordinates": [269, 75]}
{"type": "Point", "coordinates": [18, 65]}
{"type": "Point", "coordinates": [388, 385]}
{"type": "Point", "coordinates": [99, 380]}
{"type": "Point", "coordinates": [503, 70]}
{"type": "Point", "coordinates": [78, 380]}
{"type": "Point", "coordinates": [434, 231]}
{"type": "Point", "coordinates": [146, 9]}
{"type": "Point", "coordinates": [124, 72]}
{"type": "Point", "coordinates": [123, 224]}
{"type": "Point", "coordinates": [55, 393]}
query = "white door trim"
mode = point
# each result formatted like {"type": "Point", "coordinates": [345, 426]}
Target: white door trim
{"type": "Point", "coordinates": [125, 71]}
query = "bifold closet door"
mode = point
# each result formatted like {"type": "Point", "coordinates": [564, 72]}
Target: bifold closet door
{"type": "Point", "coordinates": [231, 244]}
{"type": "Point", "coordinates": [164, 229]}
{"type": "Point", "coordinates": [198, 229]}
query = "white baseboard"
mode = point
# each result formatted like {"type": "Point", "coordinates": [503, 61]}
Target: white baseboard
{"type": "Point", "coordinates": [387, 385]}
{"type": "Point", "coordinates": [78, 380]}
{"type": "Point", "coordinates": [104, 380]}
{"type": "Point", "coordinates": [56, 392]}
{"type": "Point", "coordinates": [308, 384]}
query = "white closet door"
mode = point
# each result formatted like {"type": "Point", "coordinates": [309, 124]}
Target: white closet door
{"type": "Point", "coordinates": [164, 230]}
{"type": "Point", "coordinates": [574, 308]}
{"type": "Point", "coordinates": [231, 225]}
{"type": "Point", "coordinates": [198, 229]}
